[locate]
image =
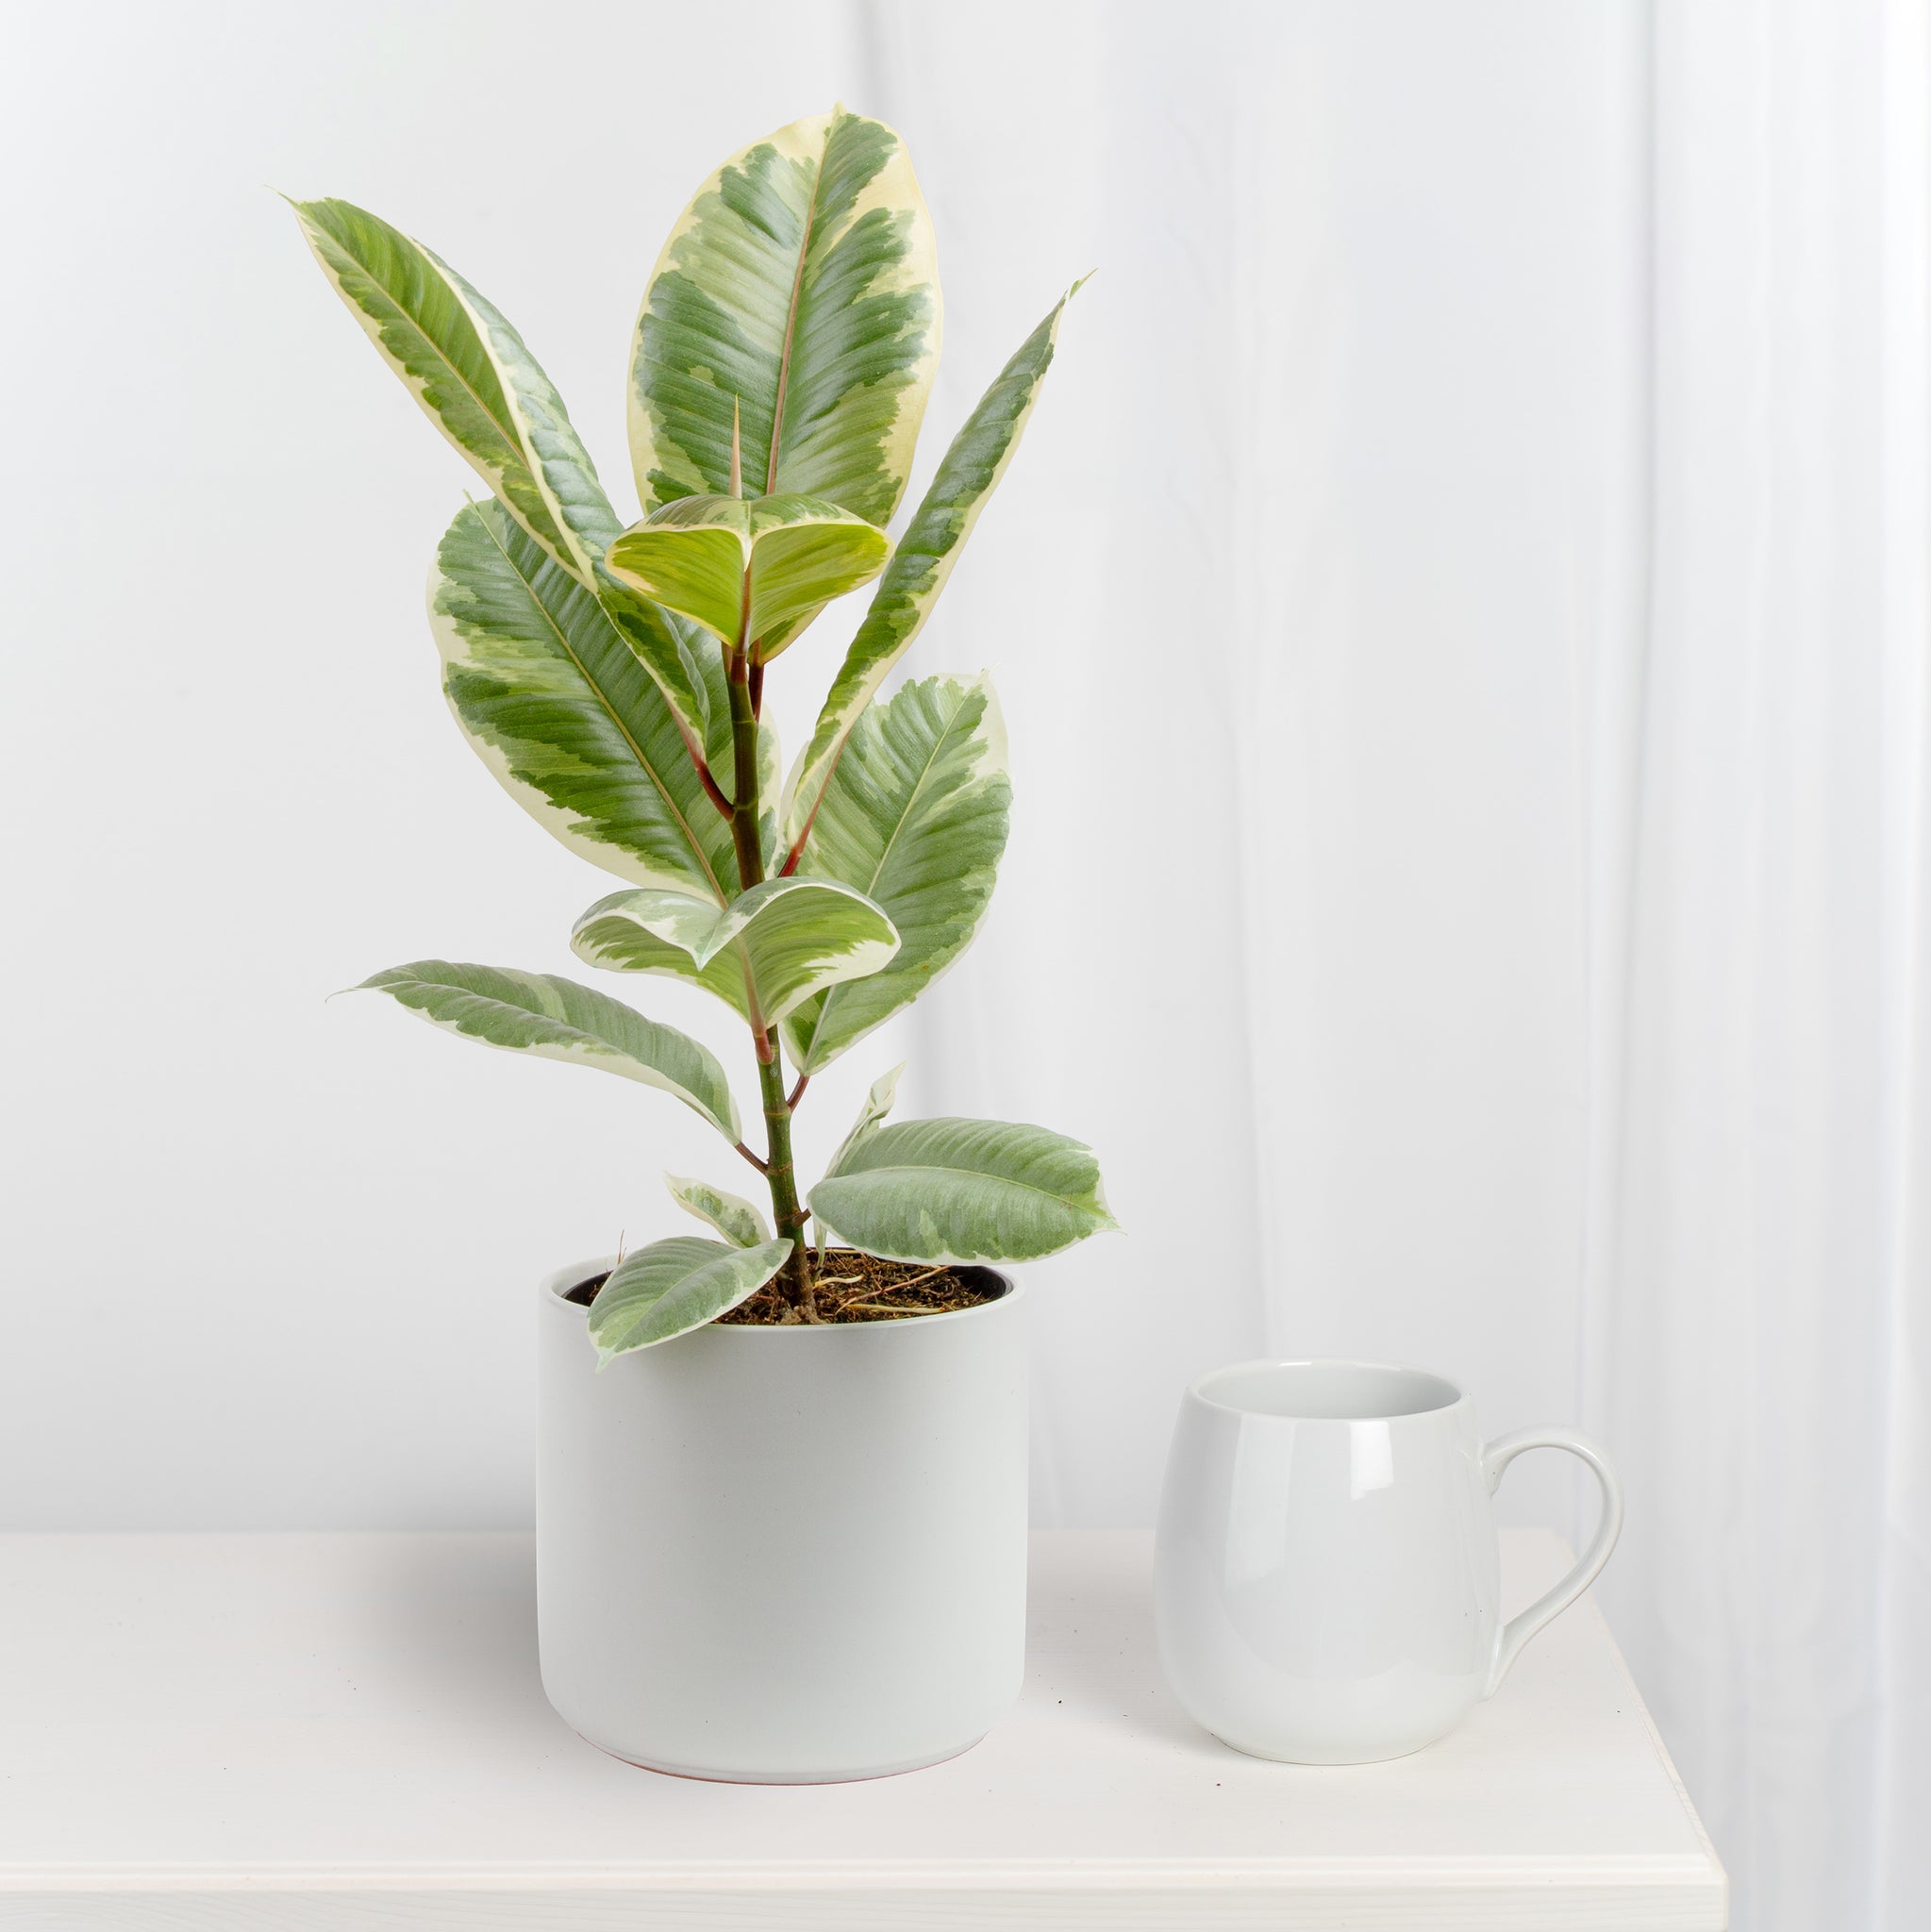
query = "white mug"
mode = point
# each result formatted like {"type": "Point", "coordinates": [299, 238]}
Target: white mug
{"type": "Point", "coordinates": [1325, 1574]}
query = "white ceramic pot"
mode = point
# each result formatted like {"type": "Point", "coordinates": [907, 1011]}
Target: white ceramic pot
{"type": "Point", "coordinates": [1325, 1574]}
{"type": "Point", "coordinates": [783, 1556]}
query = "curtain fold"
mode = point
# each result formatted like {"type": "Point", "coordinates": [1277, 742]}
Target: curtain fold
{"type": "Point", "coordinates": [1471, 862]}
{"type": "Point", "coordinates": [1760, 1270]}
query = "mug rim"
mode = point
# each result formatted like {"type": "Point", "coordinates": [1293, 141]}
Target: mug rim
{"type": "Point", "coordinates": [1198, 1391]}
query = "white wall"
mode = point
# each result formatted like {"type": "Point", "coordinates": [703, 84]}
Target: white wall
{"type": "Point", "coordinates": [1295, 599]}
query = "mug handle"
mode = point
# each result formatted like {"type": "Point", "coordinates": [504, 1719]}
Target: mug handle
{"type": "Point", "coordinates": [1496, 1456]}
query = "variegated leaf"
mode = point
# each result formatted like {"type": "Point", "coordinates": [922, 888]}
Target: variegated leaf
{"type": "Point", "coordinates": [753, 570]}
{"type": "Point", "coordinates": [798, 289]}
{"type": "Point", "coordinates": [557, 1019]}
{"type": "Point", "coordinates": [674, 1286]}
{"type": "Point", "coordinates": [879, 1103]}
{"type": "Point", "coordinates": [967, 475]}
{"type": "Point", "coordinates": [472, 374]}
{"type": "Point", "coordinates": [610, 936]}
{"type": "Point", "coordinates": [964, 1191]}
{"type": "Point", "coordinates": [915, 817]}
{"type": "Point", "coordinates": [556, 704]}
{"type": "Point", "coordinates": [792, 938]}
{"type": "Point", "coordinates": [476, 380]}
{"type": "Point", "coordinates": [734, 1217]}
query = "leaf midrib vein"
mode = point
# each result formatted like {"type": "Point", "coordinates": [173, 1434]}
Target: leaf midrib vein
{"type": "Point", "coordinates": [936, 1166]}
{"type": "Point", "coordinates": [610, 712]}
{"type": "Point", "coordinates": [871, 885]}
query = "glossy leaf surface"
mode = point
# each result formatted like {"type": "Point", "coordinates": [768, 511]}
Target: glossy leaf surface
{"type": "Point", "coordinates": [735, 1218]}
{"type": "Point", "coordinates": [793, 936]}
{"type": "Point", "coordinates": [560, 707]}
{"type": "Point", "coordinates": [557, 1019]}
{"type": "Point", "coordinates": [878, 1101]}
{"type": "Point", "coordinates": [964, 1191]}
{"type": "Point", "coordinates": [798, 290]}
{"type": "Point", "coordinates": [915, 818]}
{"type": "Point", "coordinates": [752, 571]}
{"type": "Point", "coordinates": [967, 475]}
{"type": "Point", "coordinates": [674, 1286]}
{"type": "Point", "coordinates": [472, 374]}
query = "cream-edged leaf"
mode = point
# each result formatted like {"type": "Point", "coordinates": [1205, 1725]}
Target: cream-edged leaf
{"type": "Point", "coordinates": [674, 1286]}
{"type": "Point", "coordinates": [790, 937]}
{"type": "Point", "coordinates": [620, 935]}
{"type": "Point", "coordinates": [735, 1218]}
{"type": "Point", "coordinates": [915, 818]}
{"type": "Point", "coordinates": [806, 554]}
{"type": "Point", "coordinates": [754, 572]}
{"type": "Point", "coordinates": [560, 707]}
{"type": "Point", "coordinates": [878, 1104]}
{"type": "Point", "coordinates": [797, 297]}
{"type": "Point", "coordinates": [557, 1019]}
{"type": "Point", "coordinates": [470, 372]}
{"type": "Point", "coordinates": [696, 570]}
{"type": "Point", "coordinates": [964, 1191]}
{"type": "Point", "coordinates": [967, 475]}
{"type": "Point", "coordinates": [477, 382]}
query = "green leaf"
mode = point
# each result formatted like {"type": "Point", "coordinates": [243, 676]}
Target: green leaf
{"type": "Point", "coordinates": [554, 699]}
{"type": "Point", "coordinates": [472, 374]}
{"type": "Point", "coordinates": [879, 1103]}
{"type": "Point", "coordinates": [799, 286]}
{"type": "Point", "coordinates": [964, 1191]}
{"type": "Point", "coordinates": [481, 387]}
{"type": "Point", "coordinates": [807, 554]}
{"type": "Point", "coordinates": [915, 818]}
{"type": "Point", "coordinates": [696, 571]}
{"type": "Point", "coordinates": [683, 663]}
{"type": "Point", "coordinates": [557, 1020]}
{"type": "Point", "coordinates": [611, 935]}
{"type": "Point", "coordinates": [793, 937]}
{"type": "Point", "coordinates": [674, 1286]}
{"type": "Point", "coordinates": [700, 555]}
{"type": "Point", "coordinates": [735, 1218]}
{"type": "Point", "coordinates": [968, 474]}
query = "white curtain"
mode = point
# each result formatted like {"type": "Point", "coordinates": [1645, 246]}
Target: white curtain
{"type": "Point", "coordinates": [1462, 615]}
{"type": "Point", "coordinates": [1510, 539]}
{"type": "Point", "coordinates": [1756, 1340]}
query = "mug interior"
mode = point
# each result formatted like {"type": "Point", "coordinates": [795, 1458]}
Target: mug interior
{"type": "Point", "coordinates": [1326, 1390]}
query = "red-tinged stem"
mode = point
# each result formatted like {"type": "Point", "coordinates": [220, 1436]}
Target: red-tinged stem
{"type": "Point", "coordinates": [798, 1091]}
{"type": "Point", "coordinates": [712, 790]}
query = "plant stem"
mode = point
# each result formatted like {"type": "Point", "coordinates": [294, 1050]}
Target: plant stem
{"type": "Point", "coordinates": [744, 776]}
{"type": "Point", "coordinates": [796, 1276]}
{"type": "Point", "coordinates": [799, 1288]}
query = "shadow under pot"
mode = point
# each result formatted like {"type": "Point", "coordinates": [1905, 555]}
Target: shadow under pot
{"type": "Point", "coordinates": [783, 1555]}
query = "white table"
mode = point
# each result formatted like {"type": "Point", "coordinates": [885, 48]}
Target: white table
{"type": "Point", "coordinates": [319, 1733]}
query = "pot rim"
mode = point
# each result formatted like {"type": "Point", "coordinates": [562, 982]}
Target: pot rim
{"type": "Point", "coordinates": [554, 1288]}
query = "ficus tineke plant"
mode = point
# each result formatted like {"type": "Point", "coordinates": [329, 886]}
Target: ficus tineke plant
{"type": "Point", "coordinates": [613, 680]}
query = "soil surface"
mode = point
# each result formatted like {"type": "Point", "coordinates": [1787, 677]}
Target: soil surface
{"type": "Point", "coordinates": [857, 1288]}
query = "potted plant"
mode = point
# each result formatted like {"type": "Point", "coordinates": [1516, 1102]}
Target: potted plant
{"type": "Point", "coordinates": [781, 1468]}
